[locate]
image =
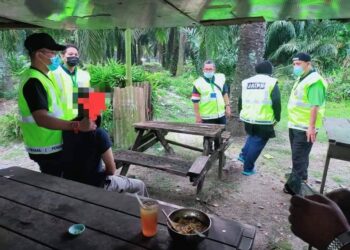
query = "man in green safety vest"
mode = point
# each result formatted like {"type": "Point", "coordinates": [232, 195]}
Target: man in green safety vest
{"type": "Point", "coordinates": [41, 108]}
{"type": "Point", "coordinates": [69, 77]}
{"type": "Point", "coordinates": [260, 110]}
{"type": "Point", "coordinates": [306, 108]}
{"type": "Point", "coordinates": [210, 97]}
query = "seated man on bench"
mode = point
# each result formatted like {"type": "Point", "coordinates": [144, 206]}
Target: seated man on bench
{"type": "Point", "coordinates": [82, 154]}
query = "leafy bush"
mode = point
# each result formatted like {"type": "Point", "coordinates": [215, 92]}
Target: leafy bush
{"type": "Point", "coordinates": [9, 128]}
{"type": "Point", "coordinates": [17, 63]}
{"type": "Point", "coordinates": [338, 92]}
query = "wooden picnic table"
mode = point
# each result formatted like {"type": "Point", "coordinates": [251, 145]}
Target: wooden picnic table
{"type": "Point", "coordinates": [338, 131]}
{"type": "Point", "coordinates": [36, 211]}
{"type": "Point", "coordinates": [151, 132]}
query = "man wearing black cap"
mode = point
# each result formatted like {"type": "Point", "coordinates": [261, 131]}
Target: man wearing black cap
{"type": "Point", "coordinates": [260, 109]}
{"type": "Point", "coordinates": [41, 109]}
{"type": "Point", "coordinates": [306, 108]}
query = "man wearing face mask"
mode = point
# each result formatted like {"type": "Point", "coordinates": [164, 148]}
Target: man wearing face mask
{"type": "Point", "coordinates": [306, 108]}
{"type": "Point", "coordinates": [210, 97]}
{"type": "Point", "coordinates": [69, 77]}
{"type": "Point", "coordinates": [40, 107]}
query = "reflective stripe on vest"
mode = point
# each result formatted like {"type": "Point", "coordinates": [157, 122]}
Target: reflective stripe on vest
{"type": "Point", "coordinates": [211, 103]}
{"type": "Point", "coordinates": [256, 100]}
{"type": "Point", "coordinates": [67, 89]}
{"type": "Point", "coordinates": [299, 109]}
{"type": "Point", "coordinates": [39, 140]}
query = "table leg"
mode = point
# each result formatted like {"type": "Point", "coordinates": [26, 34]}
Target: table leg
{"type": "Point", "coordinates": [206, 145]}
{"type": "Point", "coordinates": [164, 143]}
{"type": "Point", "coordinates": [325, 170]}
{"type": "Point", "coordinates": [200, 185]}
{"type": "Point", "coordinates": [222, 162]}
{"type": "Point", "coordinates": [136, 144]}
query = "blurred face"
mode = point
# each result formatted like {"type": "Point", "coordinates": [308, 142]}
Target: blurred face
{"type": "Point", "coordinates": [45, 55]}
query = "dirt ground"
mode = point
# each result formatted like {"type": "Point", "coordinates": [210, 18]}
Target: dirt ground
{"type": "Point", "coordinates": [257, 200]}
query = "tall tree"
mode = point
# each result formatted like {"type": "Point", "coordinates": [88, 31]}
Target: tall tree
{"type": "Point", "coordinates": [251, 48]}
{"type": "Point", "coordinates": [181, 57]}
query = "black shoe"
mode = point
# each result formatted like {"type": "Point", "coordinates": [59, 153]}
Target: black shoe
{"type": "Point", "coordinates": [288, 190]}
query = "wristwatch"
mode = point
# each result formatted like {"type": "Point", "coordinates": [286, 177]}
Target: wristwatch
{"type": "Point", "coordinates": [340, 241]}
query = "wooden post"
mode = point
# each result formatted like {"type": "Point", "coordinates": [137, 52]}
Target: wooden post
{"type": "Point", "coordinates": [128, 57]}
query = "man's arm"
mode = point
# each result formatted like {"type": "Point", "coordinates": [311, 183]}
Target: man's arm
{"type": "Point", "coordinates": [108, 159]}
{"type": "Point", "coordinates": [196, 97]}
{"type": "Point", "coordinates": [316, 96]}
{"type": "Point", "coordinates": [276, 102]}
{"type": "Point", "coordinates": [311, 131]}
{"type": "Point", "coordinates": [43, 119]}
{"type": "Point", "coordinates": [196, 112]}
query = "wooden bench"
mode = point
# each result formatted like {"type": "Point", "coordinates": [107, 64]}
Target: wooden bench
{"type": "Point", "coordinates": [195, 171]}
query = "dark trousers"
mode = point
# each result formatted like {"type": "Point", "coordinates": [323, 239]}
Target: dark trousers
{"type": "Point", "coordinates": [251, 151]}
{"type": "Point", "coordinates": [222, 121]}
{"type": "Point", "coordinates": [50, 164]}
{"type": "Point", "coordinates": [300, 152]}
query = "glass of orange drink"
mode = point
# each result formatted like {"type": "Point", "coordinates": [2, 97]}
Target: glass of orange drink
{"type": "Point", "coordinates": [149, 217]}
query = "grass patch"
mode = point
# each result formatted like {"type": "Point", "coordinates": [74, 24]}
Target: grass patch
{"type": "Point", "coordinates": [280, 245]}
{"type": "Point", "coordinates": [339, 179]}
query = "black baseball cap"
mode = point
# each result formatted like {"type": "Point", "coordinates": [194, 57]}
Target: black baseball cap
{"type": "Point", "coordinates": [40, 41]}
{"type": "Point", "coordinates": [302, 57]}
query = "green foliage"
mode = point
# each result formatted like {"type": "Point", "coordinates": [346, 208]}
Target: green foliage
{"type": "Point", "coordinates": [9, 128]}
{"type": "Point", "coordinates": [110, 74]}
{"type": "Point", "coordinates": [17, 63]}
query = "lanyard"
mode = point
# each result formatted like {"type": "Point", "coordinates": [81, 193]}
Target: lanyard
{"type": "Point", "coordinates": [74, 79]}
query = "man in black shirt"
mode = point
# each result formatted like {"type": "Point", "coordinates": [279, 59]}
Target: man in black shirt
{"type": "Point", "coordinates": [40, 106]}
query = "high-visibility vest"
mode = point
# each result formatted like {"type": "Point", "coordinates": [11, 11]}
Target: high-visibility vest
{"type": "Point", "coordinates": [211, 104]}
{"type": "Point", "coordinates": [39, 140]}
{"type": "Point", "coordinates": [299, 107]}
{"type": "Point", "coordinates": [68, 86]}
{"type": "Point", "coordinates": [256, 100]}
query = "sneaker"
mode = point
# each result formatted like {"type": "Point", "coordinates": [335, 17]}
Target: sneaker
{"type": "Point", "coordinates": [248, 173]}
{"type": "Point", "coordinates": [240, 159]}
{"type": "Point", "coordinates": [288, 190]}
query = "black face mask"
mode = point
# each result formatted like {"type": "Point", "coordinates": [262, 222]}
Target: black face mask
{"type": "Point", "coordinates": [72, 61]}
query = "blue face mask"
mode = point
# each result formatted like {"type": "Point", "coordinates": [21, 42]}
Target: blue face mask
{"type": "Point", "coordinates": [55, 63]}
{"type": "Point", "coordinates": [208, 75]}
{"type": "Point", "coordinates": [298, 70]}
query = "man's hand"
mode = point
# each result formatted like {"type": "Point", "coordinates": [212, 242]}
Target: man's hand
{"type": "Point", "coordinates": [311, 134]}
{"type": "Point", "coordinates": [198, 119]}
{"type": "Point", "coordinates": [228, 111]}
{"type": "Point", "coordinates": [86, 125]}
{"type": "Point", "coordinates": [342, 198]}
{"type": "Point", "coordinates": [316, 219]}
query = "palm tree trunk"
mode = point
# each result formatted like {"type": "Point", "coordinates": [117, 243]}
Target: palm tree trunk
{"type": "Point", "coordinates": [128, 57]}
{"type": "Point", "coordinates": [181, 58]}
{"type": "Point", "coordinates": [250, 52]}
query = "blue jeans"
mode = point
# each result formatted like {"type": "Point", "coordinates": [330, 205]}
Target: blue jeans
{"type": "Point", "coordinates": [251, 151]}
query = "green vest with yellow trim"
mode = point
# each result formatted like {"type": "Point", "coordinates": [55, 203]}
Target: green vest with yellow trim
{"type": "Point", "coordinates": [299, 108]}
{"type": "Point", "coordinates": [256, 100]}
{"type": "Point", "coordinates": [39, 140]}
{"type": "Point", "coordinates": [68, 86]}
{"type": "Point", "coordinates": [211, 104]}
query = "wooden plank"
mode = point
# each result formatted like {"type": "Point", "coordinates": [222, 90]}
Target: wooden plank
{"type": "Point", "coordinates": [164, 143]}
{"type": "Point", "coordinates": [112, 223]}
{"type": "Point", "coordinates": [198, 166]}
{"type": "Point", "coordinates": [51, 231]}
{"type": "Point", "coordinates": [203, 129]}
{"type": "Point", "coordinates": [126, 204]}
{"type": "Point", "coordinates": [175, 166]}
{"type": "Point", "coordinates": [12, 240]}
{"type": "Point", "coordinates": [184, 145]}
{"type": "Point", "coordinates": [338, 130]}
